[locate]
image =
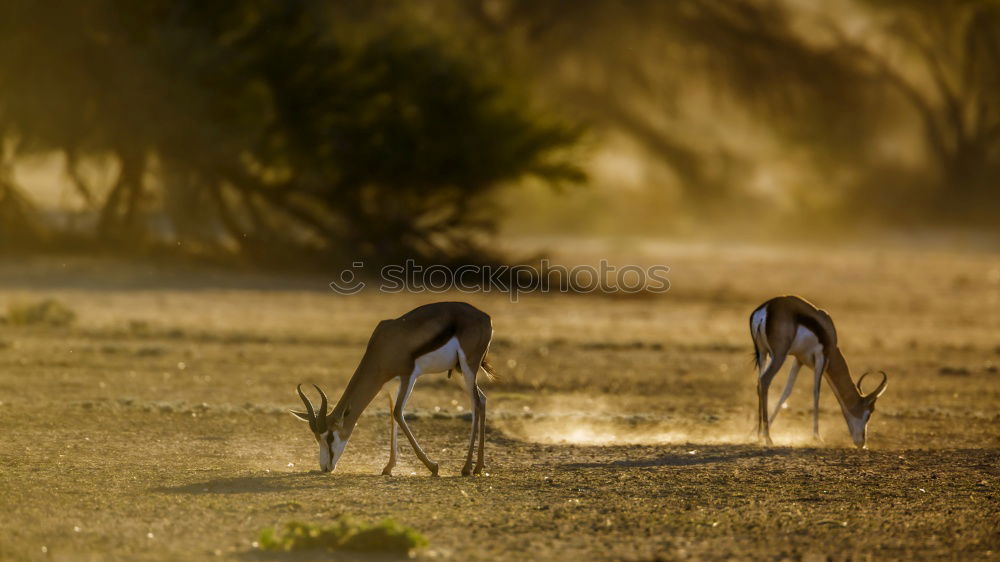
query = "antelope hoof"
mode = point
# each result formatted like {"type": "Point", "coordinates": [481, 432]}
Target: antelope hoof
{"type": "Point", "coordinates": [467, 470]}
{"type": "Point", "coordinates": [478, 471]}
{"type": "Point", "coordinates": [433, 467]}
{"type": "Point", "coordinates": [387, 471]}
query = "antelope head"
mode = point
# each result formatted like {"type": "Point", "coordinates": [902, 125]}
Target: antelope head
{"type": "Point", "coordinates": [326, 431]}
{"type": "Point", "coordinates": [858, 422]}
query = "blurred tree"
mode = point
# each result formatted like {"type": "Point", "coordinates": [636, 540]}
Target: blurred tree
{"type": "Point", "coordinates": [947, 67]}
{"type": "Point", "coordinates": [254, 125]}
{"type": "Point", "coordinates": [354, 128]}
{"type": "Point", "coordinates": [792, 68]}
{"type": "Point", "coordinates": [637, 66]}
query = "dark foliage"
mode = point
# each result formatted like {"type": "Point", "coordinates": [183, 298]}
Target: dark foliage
{"type": "Point", "coordinates": [253, 126]}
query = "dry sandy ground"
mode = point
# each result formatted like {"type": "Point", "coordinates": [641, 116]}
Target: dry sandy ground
{"type": "Point", "coordinates": [154, 429]}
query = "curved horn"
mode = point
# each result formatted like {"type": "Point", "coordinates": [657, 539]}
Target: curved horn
{"type": "Point", "coordinates": [309, 407]}
{"type": "Point", "coordinates": [881, 387]}
{"type": "Point", "coordinates": [878, 389]}
{"type": "Point", "coordinates": [321, 417]}
{"type": "Point", "coordinates": [858, 384]}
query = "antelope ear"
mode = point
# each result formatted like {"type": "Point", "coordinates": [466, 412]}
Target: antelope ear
{"type": "Point", "coordinates": [301, 415]}
{"type": "Point", "coordinates": [339, 422]}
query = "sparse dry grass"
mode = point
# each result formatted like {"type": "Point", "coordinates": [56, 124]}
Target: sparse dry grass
{"type": "Point", "coordinates": [620, 427]}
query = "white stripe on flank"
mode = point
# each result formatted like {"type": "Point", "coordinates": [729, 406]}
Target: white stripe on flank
{"type": "Point", "coordinates": [439, 360]}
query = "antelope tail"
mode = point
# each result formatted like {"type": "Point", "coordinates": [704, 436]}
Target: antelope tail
{"type": "Point", "coordinates": [491, 372]}
{"type": "Point", "coordinates": [757, 334]}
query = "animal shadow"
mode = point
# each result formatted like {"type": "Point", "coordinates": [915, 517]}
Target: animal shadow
{"type": "Point", "coordinates": [267, 482]}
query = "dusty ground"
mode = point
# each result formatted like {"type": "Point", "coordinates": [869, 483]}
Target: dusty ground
{"type": "Point", "coordinates": [155, 428]}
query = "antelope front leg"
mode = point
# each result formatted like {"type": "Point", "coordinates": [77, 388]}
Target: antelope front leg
{"type": "Point", "coordinates": [405, 387]}
{"type": "Point", "coordinates": [792, 373]}
{"type": "Point", "coordinates": [393, 448]}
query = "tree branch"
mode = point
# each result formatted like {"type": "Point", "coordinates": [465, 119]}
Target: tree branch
{"type": "Point", "coordinates": [908, 90]}
{"type": "Point", "coordinates": [229, 222]}
{"type": "Point", "coordinates": [73, 173]}
{"type": "Point", "coordinates": [948, 96]}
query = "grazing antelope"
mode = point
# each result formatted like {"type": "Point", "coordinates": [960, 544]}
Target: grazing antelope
{"type": "Point", "coordinates": [789, 325]}
{"type": "Point", "coordinates": [432, 338]}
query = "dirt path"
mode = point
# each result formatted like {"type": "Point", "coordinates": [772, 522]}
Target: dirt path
{"type": "Point", "coordinates": [154, 428]}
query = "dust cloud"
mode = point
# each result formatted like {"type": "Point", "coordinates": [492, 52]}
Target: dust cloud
{"type": "Point", "coordinates": [571, 420]}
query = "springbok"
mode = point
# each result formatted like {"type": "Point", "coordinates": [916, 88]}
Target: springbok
{"type": "Point", "coordinates": [790, 325]}
{"type": "Point", "coordinates": [433, 338]}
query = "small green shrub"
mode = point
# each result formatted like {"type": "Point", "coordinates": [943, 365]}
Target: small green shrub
{"type": "Point", "coordinates": [47, 312]}
{"type": "Point", "coordinates": [345, 533]}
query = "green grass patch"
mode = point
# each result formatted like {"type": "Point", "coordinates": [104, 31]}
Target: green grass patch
{"type": "Point", "coordinates": [345, 533]}
{"type": "Point", "coordinates": [47, 312]}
